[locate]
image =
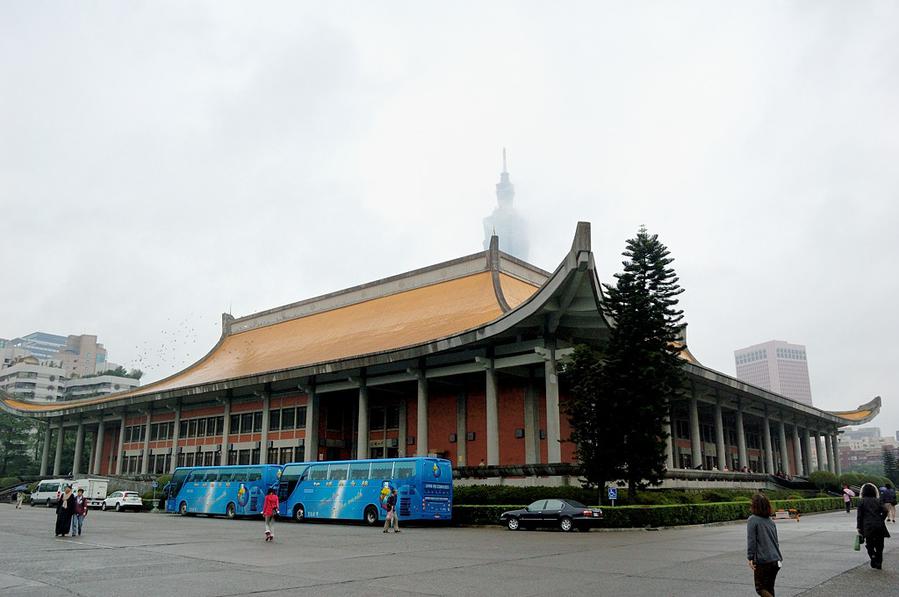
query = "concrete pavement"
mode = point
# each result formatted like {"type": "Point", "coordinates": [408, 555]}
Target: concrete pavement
{"type": "Point", "coordinates": [156, 554]}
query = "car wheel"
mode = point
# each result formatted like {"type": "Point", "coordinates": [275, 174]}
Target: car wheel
{"type": "Point", "coordinates": [371, 516]}
{"type": "Point", "coordinates": [118, 507]}
{"type": "Point", "coordinates": [48, 502]}
{"type": "Point", "coordinates": [182, 509]}
{"type": "Point", "coordinates": [230, 510]}
{"type": "Point", "coordinates": [566, 524]}
{"type": "Point", "coordinates": [299, 513]}
{"type": "Point", "coordinates": [513, 524]}
{"type": "Point", "coordinates": [103, 507]}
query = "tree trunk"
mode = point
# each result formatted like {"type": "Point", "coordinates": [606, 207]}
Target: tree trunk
{"type": "Point", "coordinates": [631, 491]}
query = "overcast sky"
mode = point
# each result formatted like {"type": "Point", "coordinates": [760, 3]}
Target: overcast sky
{"type": "Point", "coordinates": [161, 163]}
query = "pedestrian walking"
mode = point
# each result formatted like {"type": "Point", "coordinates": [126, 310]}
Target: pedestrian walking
{"type": "Point", "coordinates": [762, 546]}
{"type": "Point", "coordinates": [65, 509]}
{"type": "Point", "coordinates": [392, 517]}
{"type": "Point", "coordinates": [79, 513]}
{"type": "Point", "coordinates": [870, 524]}
{"type": "Point", "coordinates": [269, 511]}
{"type": "Point", "coordinates": [20, 497]}
{"type": "Point", "coordinates": [848, 494]}
{"type": "Point", "coordinates": [888, 499]}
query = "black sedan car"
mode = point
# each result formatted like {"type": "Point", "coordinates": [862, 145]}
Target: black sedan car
{"type": "Point", "coordinates": [564, 514]}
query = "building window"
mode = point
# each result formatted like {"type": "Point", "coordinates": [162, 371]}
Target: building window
{"type": "Point", "coordinates": [288, 418]}
{"type": "Point", "coordinates": [246, 425]}
{"type": "Point", "coordinates": [235, 424]}
{"type": "Point", "coordinates": [682, 429]}
{"type": "Point", "coordinates": [274, 422]}
{"type": "Point", "coordinates": [257, 423]}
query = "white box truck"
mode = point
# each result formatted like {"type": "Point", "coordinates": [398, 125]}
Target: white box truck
{"type": "Point", "coordinates": [94, 490]}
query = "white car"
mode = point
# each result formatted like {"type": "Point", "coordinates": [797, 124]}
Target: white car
{"type": "Point", "coordinates": [123, 500]}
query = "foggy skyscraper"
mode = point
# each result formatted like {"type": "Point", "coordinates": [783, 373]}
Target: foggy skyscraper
{"type": "Point", "coordinates": [505, 221]}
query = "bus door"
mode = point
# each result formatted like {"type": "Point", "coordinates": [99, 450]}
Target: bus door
{"type": "Point", "coordinates": [172, 489]}
{"type": "Point", "coordinates": [290, 476]}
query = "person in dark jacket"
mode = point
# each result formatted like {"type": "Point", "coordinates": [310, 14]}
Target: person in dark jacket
{"type": "Point", "coordinates": [79, 513]}
{"type": "Point", "coordinates": [65, 509]}
{"type": "Point", "coordinates": [870, 524]}
{"type": "Point", "coordinates": [762, 546]}
{"type": "Point", "coordinates": [888, 499]}
{"type": "Point", "coordinates": [392, 518]}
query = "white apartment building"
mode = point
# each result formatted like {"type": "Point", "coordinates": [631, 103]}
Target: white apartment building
{"type": "Point", "coordinates": [30, 379]}
{"type": "Point", "coordinates": [777, 366]}
{"type": "Point", "coordinates": [100, 385]}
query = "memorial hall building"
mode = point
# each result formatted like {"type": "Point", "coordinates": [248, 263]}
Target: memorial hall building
{"type": "Point", "coordinates": [460, 359]}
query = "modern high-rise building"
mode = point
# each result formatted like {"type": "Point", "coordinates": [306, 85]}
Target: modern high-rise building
{"type": "Point", "coordinates": [505, 222]}
{"type": "Point", "coordinates": [777, 366]}
{"type": "Point", "coordinates": [78, 355]}
{"type": "Point", "coordinates": [42, 345]}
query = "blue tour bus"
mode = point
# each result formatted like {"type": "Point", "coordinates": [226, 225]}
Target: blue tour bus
{"type": "Point", "coordinates": [358, 489]}
{"type": "Point", "coordinates": [229, 490]}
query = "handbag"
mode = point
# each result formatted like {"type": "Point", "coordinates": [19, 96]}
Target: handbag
{"type": "Point", "coordinates": [858, 543]}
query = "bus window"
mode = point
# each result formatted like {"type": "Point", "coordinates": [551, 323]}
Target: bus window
{"type": "Point", "coordinates": [240, 476]}
{"type": "Point", "coordinates": [254, 474]}
{"type": "Point", "coordinates": [381, 470]}
{"type": "Point", "coordinates": [226, 476]}
{"type": "Point", "coordinates": [195, 476]}
{"type": "Point", "coordinates": [211, 476]}
{"type": "Point", "coordinates": [359, 471]}
{"type": "Point", "coordinates": [318, 472]}
{"type": "Point", "coordinates": [337, 472]}
{"type": "Point", "coordinates": [404, 470]}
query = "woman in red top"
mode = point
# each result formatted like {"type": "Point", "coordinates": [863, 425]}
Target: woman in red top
{"type": "Point", "coordinates": [269, 510]}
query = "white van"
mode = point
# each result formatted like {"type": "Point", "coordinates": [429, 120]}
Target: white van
{"type": "Point", "coordinates": [94, 490]}
{"type": "Point", "coordinates": [48, 491]}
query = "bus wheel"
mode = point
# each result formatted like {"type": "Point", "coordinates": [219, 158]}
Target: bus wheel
{"type": "Point", "coordinates": [299, 513]}
{"type": "Point", "coordinates": [182, 509]}
{"type": "Point", "coordinates": [230, 511]}
{"type": "Point", "coordinates": [371, 516]}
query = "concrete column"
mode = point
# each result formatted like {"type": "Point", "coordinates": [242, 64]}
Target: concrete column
{"type": "Point", "coordinates": [313, 414]}
{"type": "Point", "coordinates": [741, 438]}
{"type": "Point", "coordinates": [820, 451]}
{"type": "Point", "coordinates": [176, 435]}
{"type": "Point", "coordinates": [98, 456]}
{"type": "Point", "coordinates": [807, 450]}
{"type": "Point", "coordinates": [784, 454]}
{"type": "Point", "coordinates": [531, 422]}
{"type": "Point", "coordinates": [226, 429]}
{"type": "Point", "coordinates": [145, 460]}
{"type": "Point", "coordinates": [421, 425]}
{"type": "Point", "coordinates": [669, 443]}
{"type": "Point", "coordinates": [362, 427]}
{"type": "Point", "coordinates": [403, 430]}
{"type": "Point", "coordinates": [797, 446]}
{"type": "Point", "coordinates": [462, 429]}
{"type": "Point", "coordinates": [695, 437]}
{"type": "Point", "coordinates": [553, 416]}
{"type": "Point", "coordinates": [766, 440]}
{"type": "Point", "coordinates": [79, 450]}
{"type": "Point", "coordinates": [830, 462]}
{"type": "Point", "coordinates": [57, 460]}
{"type": "Point", "coordinates": [45, 450]}
{"type": "Point", "coordinates": [263, 440]}
{"type": "Point", "coordinates": [720, 447]}
{"type": "Point", "coordinates": [121, 449]}
{"type": "Point", "coordinates": [835, 442]}
{"type": "Point", "coordinates": [492, 398]}
{"type": "Point", "coordinates": [92, 455]}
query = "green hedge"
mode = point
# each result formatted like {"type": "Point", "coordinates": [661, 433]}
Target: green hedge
{"type": "Point", "coordinates": [657, 516]}
{"type": "Point", "coordinates": [858, 479]}
{"type": "Point", "coordinates": [481, 495]}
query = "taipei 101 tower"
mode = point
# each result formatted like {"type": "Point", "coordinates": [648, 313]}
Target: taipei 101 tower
{"type": "Point", "coordinates": [505, 222]}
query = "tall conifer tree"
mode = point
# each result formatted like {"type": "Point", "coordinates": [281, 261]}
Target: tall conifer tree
{"type": "Point", "coordinates": [642, 369]}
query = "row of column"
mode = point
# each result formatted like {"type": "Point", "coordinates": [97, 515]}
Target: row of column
{"type": "Point", "coordinates": [826, 445]}
{"type": "Point", "coordinates": [96, 449]}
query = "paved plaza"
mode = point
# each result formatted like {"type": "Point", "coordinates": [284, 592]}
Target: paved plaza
{"type": "Point", "coordinates": [157, 554]}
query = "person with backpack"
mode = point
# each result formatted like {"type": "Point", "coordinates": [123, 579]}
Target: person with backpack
{"type": "Point", "coordinates": [888, 499]}
{"type": "Point", "coordinates": [269, 510]}
{"type": "Point", "coordinates": [392, 518]}
{"type": "Point", "coordinates": [870, 524]}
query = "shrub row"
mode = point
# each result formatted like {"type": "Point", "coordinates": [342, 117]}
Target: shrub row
{"type": "Point", "coordinates": [826, 480]}
{"type": "Point", "coordinates": [481, 495]}
{"type": "Point", "coordinates": [657, 516]}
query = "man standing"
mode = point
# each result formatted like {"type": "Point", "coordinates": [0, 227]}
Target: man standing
{"type": "Point", "coordinates": [80, 513]}
{"type": "Point", "coordinates": [392, 517]}
{"type": "Point", "coordinates": [20, 497]}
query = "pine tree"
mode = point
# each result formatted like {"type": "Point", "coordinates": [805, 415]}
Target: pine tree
{"type": "Point", "coordinates": [642, 369]}
{"type": "Point", "coordinates": [594, 422]}
{"type": "Point", "coordinates": [16, 435]}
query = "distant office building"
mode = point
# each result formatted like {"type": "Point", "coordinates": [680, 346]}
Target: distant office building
{"type": "Point", "coordinates": [863, 446]}
{"type": "Point", "coordinates": [42, 345]}
{"type": "Point", "coordinates": [10, 354]}
{"type": "Point", "coordinates": [78, 355]}
{"type": "Point", "coordinates": [861, 438]}
{"type": "Point", "coordinates": [776, 366]}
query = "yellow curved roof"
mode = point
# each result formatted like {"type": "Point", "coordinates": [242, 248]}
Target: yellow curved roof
{"type": "Point", "coordinates": [391, 322]}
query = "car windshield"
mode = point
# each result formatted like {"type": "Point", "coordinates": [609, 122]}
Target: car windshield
{"type": "Point", "coordinates": [129, 494]}
{"type": "Point", "coordinates": [575, 504]}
